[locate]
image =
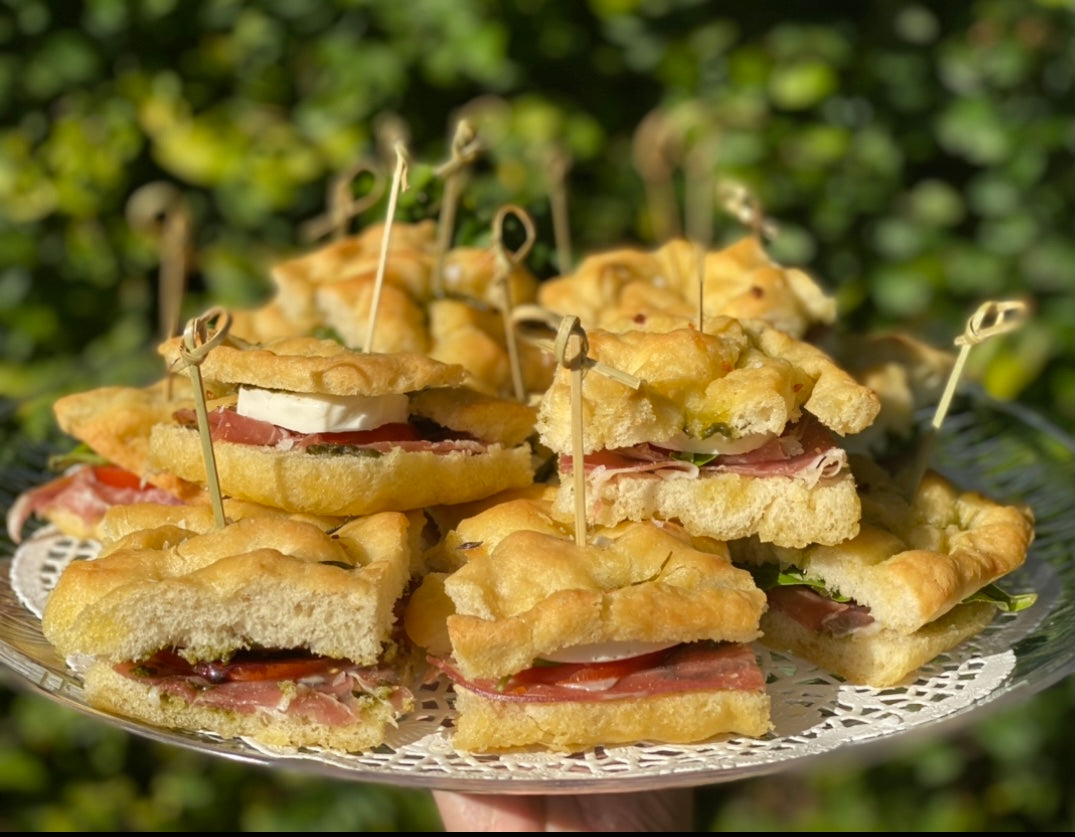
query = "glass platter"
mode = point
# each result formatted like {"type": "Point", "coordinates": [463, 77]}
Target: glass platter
{"type": "Point", "coordinates": [1002, 450]}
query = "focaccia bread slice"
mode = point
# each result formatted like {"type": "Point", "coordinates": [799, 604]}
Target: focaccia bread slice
{"type": "Point", "coordinates": [914, 561]}
{"type": "Point", "coordinates": [319, 366]}
{"type": "Point", "coordinates": [223, 590]}
{"type": "Point", "coordinates": [630, 288]}
{"type": "Point", "coordinates": [268, 628]}
{"type": "Point", "coordinates": [410, 258]}
{"type": "Point", "coordinates": [738, 380]}
{"type": "Point", "coordinates": [640, 634]}
{"type": "Point", "coordinates": [121, 520]}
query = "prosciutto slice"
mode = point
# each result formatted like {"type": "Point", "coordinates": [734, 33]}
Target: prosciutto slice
{"type": "Point", "coordinates": [805, 451]}
{"type": "Point", "coordinates": [319, 689]}
{"type": "Point", "coordinates": [818, 613]}
{"type": "Point", "coordinates": [690, 667]}
{"type": "Point", "coordinates": [86, 492]}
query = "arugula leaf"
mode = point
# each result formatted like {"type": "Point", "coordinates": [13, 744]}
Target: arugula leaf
{"type": "Point", "coordinates": [1007, 602]}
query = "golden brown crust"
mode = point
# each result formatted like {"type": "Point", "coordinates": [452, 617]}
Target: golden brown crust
{"type": "Point", "coordinates": [484, 725]}
{"type": "Point", "coordinates": [630, 288]}
{"type": "Point", "coordinates": [534, 594]}
{"type": "Point", "coordinates": [119, 521]}
{"type": "Point", "coordinates": [344, 485]}
{"type": "Point", "coordinates": [213, 593]}
{"type": "Point", "coordinates": [744, 378]}
{"type": "Point", "coordinates": [325, 367]}
{"type": "Point", "coordinates": [400, 324]}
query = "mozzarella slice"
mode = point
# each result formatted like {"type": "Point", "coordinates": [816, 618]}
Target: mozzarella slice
{"type": "Point", "coordinates": [716, 444]}
{"type": "Point", "coordinates": [603, 652]}
{"type": "Point", "coordinates": [308, 413]}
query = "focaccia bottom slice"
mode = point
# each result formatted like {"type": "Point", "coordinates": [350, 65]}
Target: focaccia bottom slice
{"type": "Point", "coordinates": [878, 657]}
{"type": "Point", "coordinates": [110, 691]}
{"type": "Point", "coordinates": [778, 509]}
{"type": "Point", "coordinates": [344, 485]}
{"type": "Point", "coordinates": [484, 725]}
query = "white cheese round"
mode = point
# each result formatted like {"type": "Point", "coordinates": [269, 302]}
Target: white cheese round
{"type": "Point", "coordinates": [309, 413]}
{"type": "Point", "coordinates": [603, 652]}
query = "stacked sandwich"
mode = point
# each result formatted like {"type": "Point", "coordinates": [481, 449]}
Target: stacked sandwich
{"type": "Point", "coordinates": [640, 633]}
{"type": "Point", "coordinates": [279, 623]}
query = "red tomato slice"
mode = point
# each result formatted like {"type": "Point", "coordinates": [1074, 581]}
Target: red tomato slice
{"type": "Point", "coordinates": [294, 668]}
{"type": "Point", "coordinates": [392, 432]}
{"type": "Point", "coordinates": [116, 477]}
{"type": "Point", "coordinates": [579, 674]}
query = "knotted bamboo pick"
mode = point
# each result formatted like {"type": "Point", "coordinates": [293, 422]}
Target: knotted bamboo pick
{"type": "Point", "coordinates": [743, 205]}
{"type": "Point", "coordinates": [653, 149]}
{"type": "Point", "coordinates": [466, 147]}
{"type": "Point", "coordinates": [505, 262]}
{"type": "Point", "coordinates": [558, 164]}
{"type": "Point", "coordinates": [699, 208]}
{"type": "Point", "coordinates": [989, 320]}
{"type": "Point", "coordinates": [159, 207]}
{"type": "Point", "coordinates": [198, 340]}
{"type": "Point", "coordinates": [343, 205]}
{"type": "Point", "coordinates": [399, 183]}
{"type": "Point", "coordinates": [570, 348]}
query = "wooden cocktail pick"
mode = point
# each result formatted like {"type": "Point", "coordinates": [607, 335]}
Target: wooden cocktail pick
{"type": "Point", "coordinates": [160, 208]}
{"type": "Point", "coordinates": [200, 338]}
{"type": "Point", "coordinates": [399, 183]}
{"type": "Point", "coordinates": [699, 187]}
{"type": "Point", "coordinates": [743, 205]}
{"type": "Point", "coordinates": [570, 347]}
{"type": "Point", "coordinates": [558, 164]}
{"type": "Point", "coordinates": [505, 262]}
{"type": "Point", "coordinates": [343, 205]}
{"type": "Point", "coordinates": [654, 149]}
{"type": "Point", "coordinates": [465, 149]}
{"type": "Point", "coordinates": [991, 319]}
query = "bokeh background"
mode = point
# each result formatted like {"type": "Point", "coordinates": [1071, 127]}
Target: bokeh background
{"type": "Point", "coordinates": [917, 158]}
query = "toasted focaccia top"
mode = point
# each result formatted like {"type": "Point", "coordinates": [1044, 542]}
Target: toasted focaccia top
{"type": "Point", "coordinates": [259, 582]}
{"type": "Point", "coordinates": [913, 561]}
{"type": "Point", "coordinates": [536, 593]}
{"type": "Point", "coordinates": [634, 288]}
{"type": "Point", "coordinates": [737, 379]}
{"type": "Point", "coordinates": [320, 366]}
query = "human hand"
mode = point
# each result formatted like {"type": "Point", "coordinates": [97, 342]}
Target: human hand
{"type": "Point", "coordinates": [661, 811]}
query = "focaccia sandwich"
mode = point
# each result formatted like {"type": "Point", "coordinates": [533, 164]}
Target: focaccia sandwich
{"type": "Point", "coordinates": [317, 428]}
{"type": "Point", "coordinates": [640, 634]}
{"type": "Point", "coordinates": [919, 579]}
{"type": "Point", "coordinates": [268, 628]}
{"type": "Point", "coordinates": [734, 432]}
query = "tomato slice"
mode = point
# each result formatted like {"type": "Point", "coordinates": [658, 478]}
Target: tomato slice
{"type": "Point", "coordinates": [580, 674]}
{"type": "Point", "coordinates": [283, 668]}
{"type": "Point", "coordinates": [116, 477]}
{"type": "Point", "coordinates": [391, 432]}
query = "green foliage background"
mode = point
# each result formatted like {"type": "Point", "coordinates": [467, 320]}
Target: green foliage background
{"type": "Point", "coordinates": [917, 157]}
